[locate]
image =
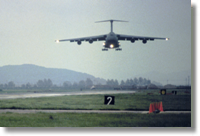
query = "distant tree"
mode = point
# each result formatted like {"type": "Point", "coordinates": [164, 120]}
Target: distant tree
{"type": "Point", "coordinates": [67, 84]}
{"type": "Point", "coordinates": [122, 83]}
{"type": "Point", "coordinates": [75, 85]}
{"type": "Point", "coordinates": [28, 85]}
{"type": "Point", "coordinates": [131, 82]}
{"type": "Point", "coordinates": [140, 80]}
{"type": "Point", "coordinates": [40, 84]}
{"type": "Point", "coordinates": [46, 83]}
{"type": "Point", "coordinates": [5, 85]}
{"type": "Point", "coordinates": [108, 82]}
{"type": "Point", "coordinates": [116, 83]}
{"type": "Point", "coordinates": [55, 86]}
{"type": "Point", "coordinates": [148, 81]}
{"type": "Point", "coordinates": [23, 86]}
{"type": "Point", "coordinates": [127, 82]}
{"type": "Point", "coordinates": [89, 82]}
{"type": "Point", "coordinates": [1, 85]}
{"type": "Point", "coordinates": [135, 81]}
{"type": "Point", "coordinates": [81, 84]}
{"type": "Point", "coordinates": [49, 83]}
{"type": "Point", "coordinates": [112, 82]}
{"type": "Point", "coordinates": [34, 86]}
{"type": "Point", "coordinates": [11, 84]}
{"type": "Point", "coordinates": [144, 81]}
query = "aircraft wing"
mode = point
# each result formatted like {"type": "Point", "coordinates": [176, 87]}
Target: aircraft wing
{"type": "Point", "coordinates": [133, 38]}
{"type": "Point", "coordinates": [89, 38]}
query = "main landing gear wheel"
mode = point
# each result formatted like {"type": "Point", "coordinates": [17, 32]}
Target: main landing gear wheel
{"type": "Point", "coordinates": [104, 49]}
{"type": "Point", "coordinates": [118, 49]}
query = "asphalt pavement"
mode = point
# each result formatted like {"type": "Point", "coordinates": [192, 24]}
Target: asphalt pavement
{"type": "Point", "coordinates": [51, 94]}
{"type": "Point", "coordinates": [87, 111]}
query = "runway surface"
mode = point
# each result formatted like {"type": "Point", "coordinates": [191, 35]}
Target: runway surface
{"type": "Point", "coordinates": [34, 95]}
{"type": "Point", "coordinates": [86, 111]}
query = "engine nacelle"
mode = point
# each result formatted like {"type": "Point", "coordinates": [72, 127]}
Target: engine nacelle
{"type": "Point", "coordinates": [90, 41]}
{"type": "Point", "coordinates": [144, 41]}
{"type": "Point", "coordinates": [79, 42]}
{"type": "Point", "coordinates": [133, 40]}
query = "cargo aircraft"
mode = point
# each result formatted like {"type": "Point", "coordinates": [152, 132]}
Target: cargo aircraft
{"type": "Point", "coordinates": [111, 39]}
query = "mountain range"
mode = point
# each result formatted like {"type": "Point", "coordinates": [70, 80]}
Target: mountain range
{"type": "Point", "coordinates": [28, 73]}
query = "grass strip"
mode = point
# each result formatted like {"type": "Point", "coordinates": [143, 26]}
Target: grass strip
{"type": "Point", "coordinates": [96, 102]}
{"type": "Point", "coordinates": [94, 120]}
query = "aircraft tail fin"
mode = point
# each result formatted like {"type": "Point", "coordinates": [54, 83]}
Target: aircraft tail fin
{"type": "Point", "coordinates": [111, 22]}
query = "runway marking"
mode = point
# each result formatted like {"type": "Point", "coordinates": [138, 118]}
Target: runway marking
{"type": "Point", "coordinates": [86, 111]}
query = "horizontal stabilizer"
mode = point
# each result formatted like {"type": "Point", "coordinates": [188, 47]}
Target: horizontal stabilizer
{"type": "Point", "coordinates": [111, 21]}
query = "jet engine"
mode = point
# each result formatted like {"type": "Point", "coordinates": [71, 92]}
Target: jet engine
{"type": "Point", "coordinates": [133, 40]}
{"type": "Point", "coordinates": [79, 42]}
{"type": "Point", "coordinates": [90, 41]}
{"type": "Point", "coordinates": [144, 41]}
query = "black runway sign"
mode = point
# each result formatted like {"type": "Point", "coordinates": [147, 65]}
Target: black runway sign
{"type": "Point", "coordinates": [109, 100]}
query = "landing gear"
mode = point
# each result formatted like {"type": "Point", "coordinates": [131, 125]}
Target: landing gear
{"type": "Point", "coordinates": [104, 49]}
{"type": "Point", "coordinates": [118, 49]}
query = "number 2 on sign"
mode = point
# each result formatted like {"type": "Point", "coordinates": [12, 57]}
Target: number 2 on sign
{"type": "Point", "coordinates": [109, 100]}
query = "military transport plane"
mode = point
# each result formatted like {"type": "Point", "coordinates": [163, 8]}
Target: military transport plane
{"type": "Point", "coordinates": [111, 39]}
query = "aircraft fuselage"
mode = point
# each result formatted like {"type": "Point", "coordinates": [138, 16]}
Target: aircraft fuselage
{"type": "Point", "coordinates": [111, 41]}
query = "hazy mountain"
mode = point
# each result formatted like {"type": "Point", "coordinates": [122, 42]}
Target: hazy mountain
{"type": "Point", "coordinates": [22, 74]}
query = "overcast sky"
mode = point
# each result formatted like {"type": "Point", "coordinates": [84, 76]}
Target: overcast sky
{"type": "Point", "coordinates": [28, 30]}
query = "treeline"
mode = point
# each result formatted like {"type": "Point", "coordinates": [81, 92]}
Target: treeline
{"type": "Point", "coordinates": [87, 84]}
{"type": "Point", "coordinates": [47, 84]}
{"type": "Point", "coordinates": [129, 82]}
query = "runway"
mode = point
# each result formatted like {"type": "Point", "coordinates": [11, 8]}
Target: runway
{"type": "Point", "coordinates": [35, 95]}
{"type": "Point", "coordinates": [87, 111]}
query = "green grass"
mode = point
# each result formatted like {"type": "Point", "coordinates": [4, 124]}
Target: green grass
{"type": "Point", "coordinates": [138, 101]}
{"type": "Point", "coordinates": [94, 120]}
{"type": "Point", "coordinates": [96, 102]}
